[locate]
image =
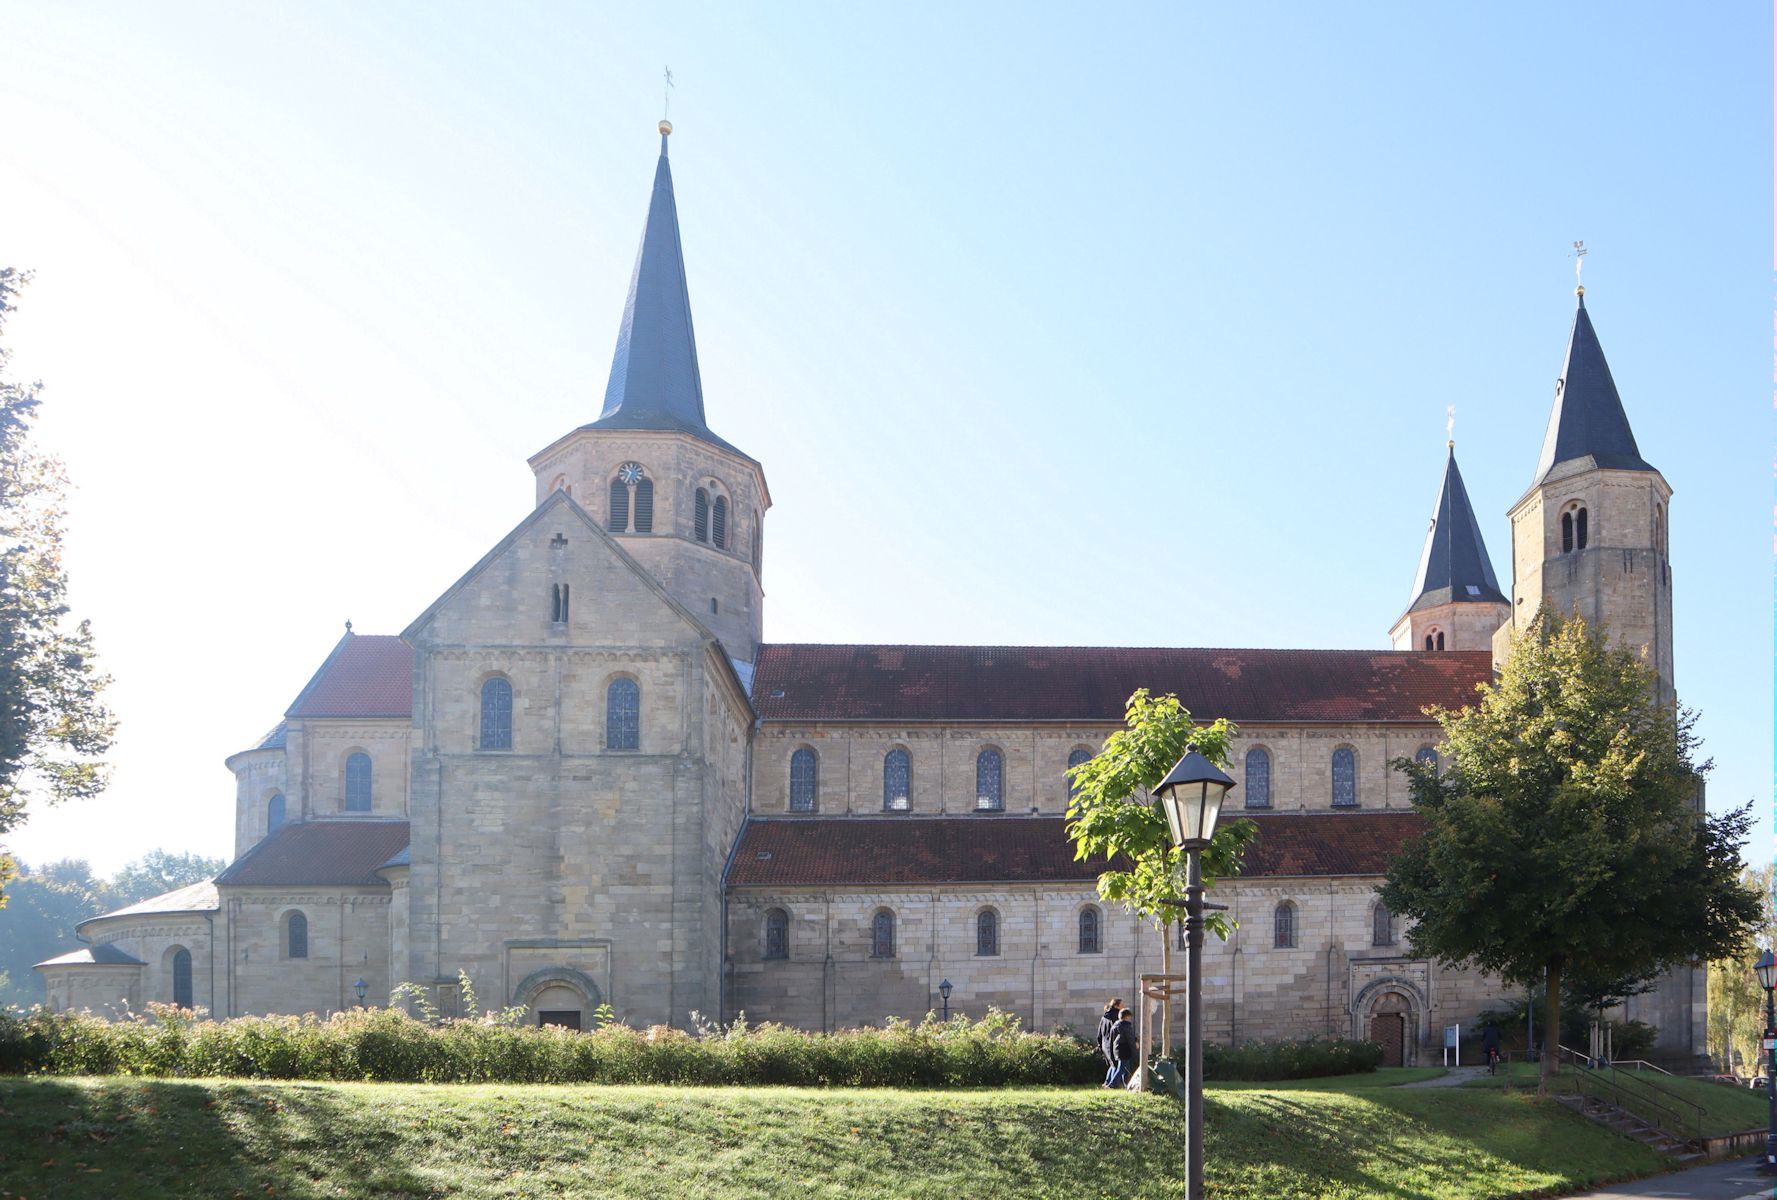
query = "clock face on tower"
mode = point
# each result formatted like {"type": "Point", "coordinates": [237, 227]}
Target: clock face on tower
{"type": "Point", "coordinates": [630, 472]}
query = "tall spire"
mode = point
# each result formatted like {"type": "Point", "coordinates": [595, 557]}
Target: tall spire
{"type": "Point", "coordinates": [1454, 568]}
{"type": "Point", "coordinates": [1588, 420]}
{"type": "Point", "coordinates": [654, 381]}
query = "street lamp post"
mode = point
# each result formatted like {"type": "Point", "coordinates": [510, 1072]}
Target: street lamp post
{"type": "Point", "coordinates": [944, 993]}
{"type": "Point", "coordinates": [1191, 795]}
{"type": "Point", "coordinates": [359, 986]}
{"type": "Point", "coordinates": [1766, 967]}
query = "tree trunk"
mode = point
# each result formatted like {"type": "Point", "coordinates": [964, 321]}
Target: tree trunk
{"type": "Point", "coordinates": [1551, 1028]}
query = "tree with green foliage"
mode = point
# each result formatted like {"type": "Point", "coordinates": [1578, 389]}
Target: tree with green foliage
{"type": "Point", "coordinates": [53, 725]}
{"type": "Point", "coordinates": [1736, 1008]}
{"type": "Point", "coordinates": [1112, 812]}
{"type": "Point", "coordinates": [1562, 836]}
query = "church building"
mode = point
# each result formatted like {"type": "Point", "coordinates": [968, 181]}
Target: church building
{"type": "Point", "coordinates": [583, 777]}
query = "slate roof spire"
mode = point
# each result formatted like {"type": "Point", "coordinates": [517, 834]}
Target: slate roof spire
{"type": "Point", "coordinates": [654, 381]}
{"type": "Point", "coordinates": [1454, 567]}
{"type": "Point", "coordinates": [1588, 420]}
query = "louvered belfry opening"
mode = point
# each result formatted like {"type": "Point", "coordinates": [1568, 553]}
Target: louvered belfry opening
{"type": "Point", "coordinates": [700, 517]}
{"type": "Point", "coordinates": [619, 518]}
{"type": "Point", "coordinates": [719, 523]}
{"type": "Point", "coordinates": [644, 505]}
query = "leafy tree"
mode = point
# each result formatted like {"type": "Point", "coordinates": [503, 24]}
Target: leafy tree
{"type": "Point", "coordinates": [1736, 1019]}
{"type": "Point", "coordinates": [1563, 837]}
{"type": "Point", "coordinates": [1112, 813]}
{"type": "Point", "coordinates": [158, 872]}
{"type": "Point", "coordinates": [53, 726]}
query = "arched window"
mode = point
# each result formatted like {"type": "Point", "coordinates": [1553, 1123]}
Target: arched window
{"type": "Point", "coordinates": [644, 505]}
{"type": "Point", "coordinates": [1659, 530]}
{"type": "Point", "coordinates": [358, 782]}
{"type": "Point", "coordinates": [700, 515]}
{"type": "Point", "coordinates": [496, 715]}
{"type": "Point", "coordinates": [804, 780]}
{"type": "Point", "coordinates": [719, 523]}
{"type": "Point", "coordinates": [296, 936]}
{"type": "Point", "coordinates": [1440, 639]}
{"type": "Point", "coordinates": [1283, 926]}
{"type": "Point", "coordinates": [1258, 778]}
{"type": "Point", "coordinates": [619, 518]}
{"type": "Point", "coordinates": [897, 771]}
{"type": "Point", "coordinates": [1426, 756]}
{"type": "Point", "coordinates": [1430, 642]}
{"type": "Point", "coordinates": [777, 934]}
{"type": "Point", "coordinates": [1579, 529]}
{"type": "Point", "coordinates": [882, 934]}
{"type": "Point", "coordinates": [1382, 930]}
{"type": "Point", "coordinates": [274, 813]}
{"type": "Point", "coordinates": [558, 603]}
{"type": "Point", "coordinates": [990, 770]}
{"type": "Point", "coordinates": [1344, 777]}
{"type": "Point", "coordinates": [987, 933]}
{"type": "Point", "coordinates": [182, 977]}
{"type": "Point", "coordinates": [1089, 943]}
{"type": "Point", "coordinates": [1567, 533]}
{"type": "Point", "coordinates": [623, 715]}
{"type": "Point", "coordinates": [1077, 758]}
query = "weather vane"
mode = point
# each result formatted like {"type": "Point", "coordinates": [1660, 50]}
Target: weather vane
{"type": "Point", "coordinates": [1579, 260]}
{"type": "Point", "coordinates": [1450, 424]}
{"type": "Point", "coordinates": [666, 96]}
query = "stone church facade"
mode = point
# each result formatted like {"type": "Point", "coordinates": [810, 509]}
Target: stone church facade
{"type": "Point", "coordinates": [582, 777]}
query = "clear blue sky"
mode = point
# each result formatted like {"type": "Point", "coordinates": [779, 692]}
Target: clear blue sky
{"type": "Point", "coordinates": [1018, 305]}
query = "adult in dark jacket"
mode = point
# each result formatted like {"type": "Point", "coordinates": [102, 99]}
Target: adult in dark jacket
{"type": "Point", "coordinates": [1107, 1023]}
{"type": "Point", "coordinates": [1125, 1047]}
{"type": "Point", "coordinates": [1490, 1045]}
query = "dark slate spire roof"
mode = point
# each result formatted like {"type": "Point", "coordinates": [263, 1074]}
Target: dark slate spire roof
{"type": "Point", "coordinates": [654, 381]}
{"type": "Point", "coordinates": [1454, 566]}
{"type": "Point", "coordinates": [1588, 419]}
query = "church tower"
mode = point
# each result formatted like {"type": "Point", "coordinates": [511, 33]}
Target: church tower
{"type": "Point", "coordinates": [687, 505]}
{"type": "Point", "coordinates": [1590, 533]}
{"type": "Point", "coordinates": [1457, 604]}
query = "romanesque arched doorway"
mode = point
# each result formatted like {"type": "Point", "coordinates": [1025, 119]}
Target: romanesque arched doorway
{"type": "Point", "coordinates": [558, 996]}
{"type": "Point", "coordinates": [1390, 1019]}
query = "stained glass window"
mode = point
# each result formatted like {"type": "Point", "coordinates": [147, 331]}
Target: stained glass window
{"type": "Point", "coordinates": [1258, 778]}
{"type": "Point", "coordinates": [1344, 777]}
{"type": "Point", "coordinates": [987, 933]}
{"type": "Point", "coordinates": [989, 781]}
{"type": "Point", "coordinates": [777, 934]}
{"type": "Point", "coordinates": [1283, 926]}
{"type": "Point", "coordinates": [897, 769]}
{"type": "Point", "coordinates": [804, 780]}
{"type": "Point", "coordinates": [1089, 943]}
{"type": "Point", "coordinates": [623, 715]}
{"type": "Point", "coordinates": [182, 978]}
{"type": "Point", "coordinates": [1383, 932]}
{"type": "Point", "coordinates": [882, 935]}
{"type": "Point", "coordinates": [1073, 760]}
{"type": "Point", "coordinates": [297, 936]}
{"type": "Point", "coordinates": [1428, 756]}
{"type": "Point", "coordinates": [496, 715]}
{"type": "Point", "coordinates": [358, 782]}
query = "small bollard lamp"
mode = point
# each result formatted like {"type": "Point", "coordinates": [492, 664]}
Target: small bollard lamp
{"type": "Point", "coordinates": [359, 986]}
{"type": "Point", "coordinates": [1191, 796]}
{"type": "Point", "coordinates": [1766, 970]}
{"type": "Point", "coordinates": [944, 993]}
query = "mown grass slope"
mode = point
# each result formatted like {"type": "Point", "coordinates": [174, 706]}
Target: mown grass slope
{"type": "Point", "coordinates": [148, 1139]}
{"type": "Point", "coordinates": [1726, 1109]}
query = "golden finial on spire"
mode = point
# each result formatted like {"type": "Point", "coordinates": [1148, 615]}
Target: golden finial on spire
{"type": "Point", "coordinates": [666, 127]}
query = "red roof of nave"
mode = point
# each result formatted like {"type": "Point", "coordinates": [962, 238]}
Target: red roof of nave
{"type": "Point", "coordinates": [366, 675]}
{"type": "Point", "coordinates": [323, 853]}
{"type": "Point", "coordinates": [1092, 683]}
{"type": "Point", "coordinates": [916, 850]}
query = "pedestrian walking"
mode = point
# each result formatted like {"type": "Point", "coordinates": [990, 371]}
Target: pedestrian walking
{"type": "Point", "coordinates": [1125, 1048]}
{"type": "Point", "coordinates": [1106, 1024]}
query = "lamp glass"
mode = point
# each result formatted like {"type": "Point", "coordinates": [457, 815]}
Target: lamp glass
{"type": "Point", "coordinates": [1766, 968]}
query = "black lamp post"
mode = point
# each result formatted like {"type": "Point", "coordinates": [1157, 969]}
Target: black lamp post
{"type": "Point", "coordinates": [1766, 967]}
{"type": "Point", "coordinates": [359, 986]}
{"type": "Point", "coordinates": [1191, 795]}
{"type": "Point", "coordinates": [944, 992]}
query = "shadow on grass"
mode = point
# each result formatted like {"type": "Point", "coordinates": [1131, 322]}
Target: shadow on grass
{"type": "Point", "coordinates": [154, 1138]}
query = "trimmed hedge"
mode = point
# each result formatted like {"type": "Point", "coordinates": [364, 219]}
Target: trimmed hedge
{"type": "Point", "coordinates": [1309, 1058]}
{"type": "Point", "coordinates": [386, 1045]}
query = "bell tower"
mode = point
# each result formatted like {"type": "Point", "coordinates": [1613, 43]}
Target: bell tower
{"type": "Point", "coordinates": [1457, 604]}
{"type": "Point", "coordinates": [1590, 534]}
{"type": "Point", "coordinates": [686, 504]}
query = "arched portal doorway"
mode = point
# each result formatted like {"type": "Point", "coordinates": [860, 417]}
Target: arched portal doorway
{"type": "Point", "coordinates": [558, 996]}
{"type": "Point", "coordinates": [1390, 1018]}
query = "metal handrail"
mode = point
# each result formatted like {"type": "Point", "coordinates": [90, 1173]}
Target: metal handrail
{"type": "Point", "coordinates": [1675, 1121]}
{"type": "Point", "coordinates": [1639, 1064]}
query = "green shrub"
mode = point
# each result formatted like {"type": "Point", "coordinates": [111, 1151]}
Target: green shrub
{"type": "Point", "coordinates": [1309, 1058]}
{"type": "Point", "coordinates": [386, 1045]}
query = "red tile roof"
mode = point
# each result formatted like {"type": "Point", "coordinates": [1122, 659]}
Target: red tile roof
{"type": "Point", "coordinates": [1085, 683]}
{"type": "Point", "coordinates": [889, 851]}
{"type": "Point", "coordinates": [367, 675]}
{"type": "Point", "coordinates": [322, 853]}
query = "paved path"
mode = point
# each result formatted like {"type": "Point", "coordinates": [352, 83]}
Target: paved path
{"type": "Point", "coordinates": [1454, 1077]}
{"type": "Point", "coordinates": [1737, 1179]}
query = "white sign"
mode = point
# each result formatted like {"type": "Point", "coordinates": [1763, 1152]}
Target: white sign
{"type": "Point", "coordinates": [1452, 1034]}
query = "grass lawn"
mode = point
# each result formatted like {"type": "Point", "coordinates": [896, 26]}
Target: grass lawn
{"type": "Point", "coordinates": [1725, 1109]}
{"type": "Point", "coordinates": [147, 1139]}
{"type": "Point", "coordinates": [1381, 1077]}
